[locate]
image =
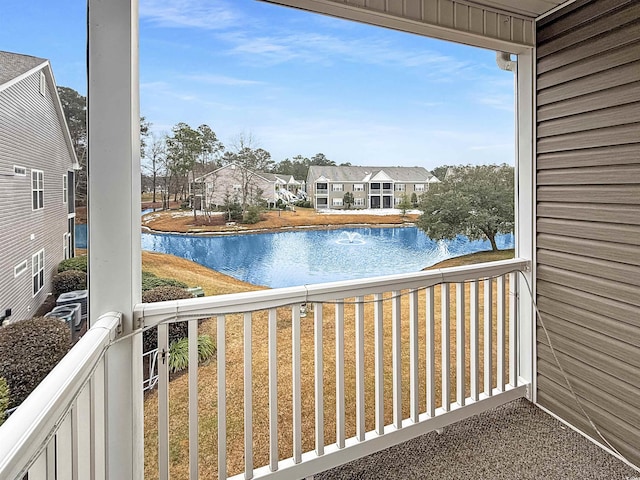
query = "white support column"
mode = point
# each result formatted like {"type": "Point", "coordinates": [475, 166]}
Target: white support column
{"type": "Point", "coordinates": [525, 214]}
{"type": "Point", "coordinates": [114, 219]}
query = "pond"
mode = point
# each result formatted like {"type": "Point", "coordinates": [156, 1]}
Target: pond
{"type": "Point", "coordinates": [285, 259]}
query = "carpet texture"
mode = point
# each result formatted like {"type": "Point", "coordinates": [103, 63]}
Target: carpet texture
{"type": "Point", "coordinates": [514, 441]}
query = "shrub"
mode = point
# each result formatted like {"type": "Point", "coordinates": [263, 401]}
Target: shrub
{"type": "Point", "coordinates": [68, 281]}
{"type": "Point", "coordinates": [75, 263]}
{"type": "Point", "coordinates": [179, 352]}
{"type": "Point", "coordinates": [29, 349]}
{"type": "Point", "coordinates": [252, 215]}
{"type": "Point", "coordinates": [4, 399]}
{"type": "Point", "coordinates": [150, 281]}
{"type": "Point", "coordinates": [177, 330]}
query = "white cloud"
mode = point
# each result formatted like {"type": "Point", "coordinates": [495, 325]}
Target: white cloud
{"type": "Point", "coordinates": [220, 80]}
{"type": "Point", "coordinates": [188, 13]}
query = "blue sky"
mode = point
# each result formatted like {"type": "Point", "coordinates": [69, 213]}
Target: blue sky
{"type": "Point", "coordinates": [298, 83]}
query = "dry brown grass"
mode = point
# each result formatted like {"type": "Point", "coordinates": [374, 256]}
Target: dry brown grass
{"type": "Point", "coordinates": [183, 222]}
{"type": "Point", "coordinates": [215, 283]}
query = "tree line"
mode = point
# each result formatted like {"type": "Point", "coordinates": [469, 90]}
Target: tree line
{"type": "Point", "coordinates": [171, 160]}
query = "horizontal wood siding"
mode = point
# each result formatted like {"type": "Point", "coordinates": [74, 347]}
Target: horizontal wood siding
{"type": "Point", "coordinates": [30, 136]}
{"type": "Point", "coordinates": [588, 219]}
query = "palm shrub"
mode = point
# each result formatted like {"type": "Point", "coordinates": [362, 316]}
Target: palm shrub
{"type": "Point", "coordinates": [29, 349]}
{"type": "Point", "coordinates": [179, 352]}
{"type": "Point", "coordinates": [177, 330]}
{"type": "Point", "coordinates": [75, 263]}
{"type": "Point", "coordinates": [68, 281]}
{"type": "Point", "coordinates": [4, 399]}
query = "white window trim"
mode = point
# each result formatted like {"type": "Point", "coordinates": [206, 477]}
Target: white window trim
{"type": "Point", "coordinates": [358, 187]}
{"type": "Point", "coordinates": [336, 202]}
{"type": "Point", "coordinates": [43, 84]}
{"type": "Point", "coordinates": [19, 171]}
{"type": "Point", "coordinates": [400, 187]}
{"type": "Point", "coordinates": [37, 260]}
{"type": "Point", "coordinates": [66, 253]}
{"type": "Point", "coordinates": [20, 268]}
{"type": "Point", "coordinates": [419, 187]}
{"type": "Point", "coordinates": [40, 188]}
{"type": "Point", "coordinates": [337, 187]}
{"type": "Point", "coordinates": [358, 202]}
{"type": "Point", "coordinates": [65, 189]}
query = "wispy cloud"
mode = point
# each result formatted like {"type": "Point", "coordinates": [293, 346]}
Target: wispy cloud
{"type": "Point", "coordinates": [213, 79]}
{"type": "Point", "coordinates": [189, 13]}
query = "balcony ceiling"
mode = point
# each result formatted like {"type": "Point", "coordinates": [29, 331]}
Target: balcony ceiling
{"type": "Point", "coordinates": [529, 8]}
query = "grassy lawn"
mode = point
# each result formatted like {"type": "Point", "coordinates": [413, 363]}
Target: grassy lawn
{"type": "Point", "coordinates": [215, 283]}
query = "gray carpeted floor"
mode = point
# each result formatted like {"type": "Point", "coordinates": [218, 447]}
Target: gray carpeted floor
{"type": "Point", "coordinates": [515, 441]}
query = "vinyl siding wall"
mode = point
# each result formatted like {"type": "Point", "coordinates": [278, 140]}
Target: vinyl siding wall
{"type": "Point", "coordinates": [588, 217]}
{"type": "Point", "coordinates": [30, 136]}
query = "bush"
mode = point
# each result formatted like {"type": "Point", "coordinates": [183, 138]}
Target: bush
{"type": "Point", "coordinates": [252, 215]}
{"type": "Point", "coordinates": [179, 352]}
{"type": "Point", "coordinates": [4, 399]}
{"type": "Point", "coordinates": [75, 263]}
{"type": "Point", "coordinates": [303, 204]}
{"type": "Point", "coordinates": [177, 330]}
{"type": "Point", "coordinates": [150, 281]}
{"type": "Point", "coordinates": [68, 281]}
{"type": "Point", "coordinates": [29, 349]}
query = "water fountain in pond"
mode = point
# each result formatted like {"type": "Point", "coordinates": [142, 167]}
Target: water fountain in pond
{"type": "Point", "coordinates": [350, 238]}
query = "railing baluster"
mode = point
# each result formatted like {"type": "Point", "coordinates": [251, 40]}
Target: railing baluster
{"type": "Point", "coordinates": [248, 399]}
{"type": "Point", "coordinates": [501, 318]}
{"type": "Point", "coordinates": [379, 362]}
{"type": "Point", "coordinates": [474, 341]}
{"type": "Point", "coordinates": [513, 330]}
{"type": "Point", "coordinates": [82, 432]}
{"type": "Point", "coordinates": [446, 346]}
{"type": "Point", "coordinates": [39, 468]}
{"type": "Point", "coordinates": [297, 384]}
{"type": "Point", "coordinates": [430, 353]}
{"type": "Point", "coordinates": [396, 344]}
{"type": "Point", "coordinates": [318, 337]}
{"type": "Point", "coordinates": [222, 396]}
{"type": "Point", "coordinates": [163, 401]}
{"type": "Point", "coordinates": [460, 347]}
{"type": "Point", "coordinates": [193, 399]}
{"type": "Point", "coordinates": [74, 440]}
{"type": "Point", "coordinates": [359, 332]}
{"type": "Point", "coordinates": [488, 336]}
{"type": "Point", "coordinates": [98, 430]}
{"type": "Point", "coordinates": [273, 389]}
{"type": "Point", "coordinates": [63, 449]}
{"type": "Point", "coordinates": [413, 355]}
{"type": "Point", "coordinates": [340, 427]}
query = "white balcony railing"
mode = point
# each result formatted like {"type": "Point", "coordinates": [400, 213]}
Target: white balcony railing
{"type": "Point", "coordinates": [60, 430]}
{"type": "Point", "coordinates": [285, 371]}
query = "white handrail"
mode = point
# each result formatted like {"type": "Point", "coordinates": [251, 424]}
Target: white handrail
{"type": "Point", "coordinates": [24, 435]}
{"type": "Point", "coordinates": [155, 313]}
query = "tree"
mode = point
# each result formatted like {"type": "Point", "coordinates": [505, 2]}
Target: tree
{"type": "Point", "coordinates": [347, 199]}
{"type": "Point", "coordinates": [74, 106]}
{"type": "Point", "coordinates": [405, 204]}
{"type": "Point", "coordinates": [155, 154]}
{"type": "Point", "coordinates": [183, 149]}
{"type": "Point", "coordinates": [414, 199]}
{"type": "Point", "coordinates": [322, 160]}
{"type": "Point", "coordinates": [440, 172]}
{"type": "Point", "coordinates": [476, 201]}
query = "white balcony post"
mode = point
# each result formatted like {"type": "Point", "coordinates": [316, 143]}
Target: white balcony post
{"type": "Point", "coordinates": [114, 219]}
{"type": "Point", "coordinates": [525, 215]}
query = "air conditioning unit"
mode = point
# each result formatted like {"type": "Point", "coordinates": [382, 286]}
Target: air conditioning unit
{"type": "Point", "coordinates": [77, 296]}
{"type": "Point", "coordinates": [76, 311]}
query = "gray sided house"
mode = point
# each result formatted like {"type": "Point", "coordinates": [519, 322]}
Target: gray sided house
{"type": "Point", "coordinates": [235, 183]}
{"type": "Point", "coordinates": [371, 187]}
{"type": "Point", "coordinates": [37, 164]}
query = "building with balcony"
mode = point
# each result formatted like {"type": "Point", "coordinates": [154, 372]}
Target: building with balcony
{"type": "Point", "coordinates": [37, 166]}
{"type": "Point", "coordinates": [371, 187]}
{"type": "Point", "coordinates": [556, 328]}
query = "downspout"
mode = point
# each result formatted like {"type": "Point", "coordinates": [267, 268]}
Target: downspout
{"type": "Point", "coordinates": [504, 61]}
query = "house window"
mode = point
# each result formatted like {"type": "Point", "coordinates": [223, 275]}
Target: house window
{"type": "Point", "coordinates": [43, 84]}
{"type": "Point", "coordinates": [375, 186]}
{"type": "Point", "coordinates": [336, 187]}
{"type": "Point", "coordinates": [37, 189]}
{"type": "Point", "coordinates": [321, 202]}
{"type": "Point", "coordinates": [386, 186]}
{"type": "Point", "coordinates": [321, 186]}
{"type": "Point", "coordinates": [358, 187]}
{"type": "Point", "coordinates": [419, 187]}
{"type": "Point", "coordinates": [65, 190]}
{"type": "Point", "coordinates": [358, 202]}
{"type": "Point", "coordinates": [37, 271]}
{"type": "Point", "coordinates": [66, 245]}
{"type": "Point", "coordinates": [397, 200]}
{"type": "Point", "coordinates": [19, 171]}
{"type": "Point", "coordinates": [336, 202]}
{"type": "Point", "coordinates": [399, 187]}
{"type": "Point", "coordinates": [20, 269]}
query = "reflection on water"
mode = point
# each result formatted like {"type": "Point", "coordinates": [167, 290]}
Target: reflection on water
{"type": "Point", "coordinates": [286, 259]}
